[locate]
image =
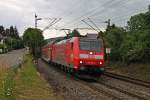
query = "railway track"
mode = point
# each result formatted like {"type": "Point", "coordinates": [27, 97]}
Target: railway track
{"type": "Point", "coordinates": [114, 92]}
{"type": "Point", "coordinates": [95, 88]}
{"type": "Point", "coordinates": [110, 90]}
{"type": "Point", "coordinates": [129, 93]}
{"type": "Point", "coordinates": [77, 88]}
{"type": "Point", "coordinates": [128, 79]}
{"type": "Point", "coordinates": [121, 90]}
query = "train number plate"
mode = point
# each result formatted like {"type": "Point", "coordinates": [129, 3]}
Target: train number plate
{"type": "Point", "coordinates": [91, 63]}
{"type": "Point", "coordinates": [91, 56]}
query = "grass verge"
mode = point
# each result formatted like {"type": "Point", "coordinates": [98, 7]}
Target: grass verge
{"type": "Point", "coordinates": [29, 85]}
{"type": "Point", "coordinates": [24, 83]}
{"type": "Point", "coordinates": [139, 71]}
{"type": "Point", "coordinates": [7, 82]}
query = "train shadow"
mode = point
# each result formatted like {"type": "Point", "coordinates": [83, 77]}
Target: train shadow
{"type": "Point", "coordinates": [88, 78]}
{"type": "Point", "coordinates": [72, 76]}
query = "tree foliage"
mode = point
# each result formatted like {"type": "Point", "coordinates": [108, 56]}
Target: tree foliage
{"type": "Point", "coordinates": [74, 33]}
{"type": "Point", "coordinates": [2, 30]}
{"type": "Point", "coordinates": [10, 38]}
{"type": "Point", "coordinates": [114, 39]}
{"type": "Point", "coordinates": [34, 39]}
{"type": "Point", "coordinates": [9, 32]}
{"type": "Point", "coordinates": [132, 44]}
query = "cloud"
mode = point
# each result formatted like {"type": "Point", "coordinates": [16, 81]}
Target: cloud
{"type": "Point", "coordinates": [20, 13]}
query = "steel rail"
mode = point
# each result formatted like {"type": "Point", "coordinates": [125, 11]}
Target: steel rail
{"type": "Point", "coordinates": [128, 79]}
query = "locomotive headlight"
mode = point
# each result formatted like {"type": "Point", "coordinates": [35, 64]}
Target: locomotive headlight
{"type": "Point", "coordinates": [81, 62]}
{"type": "Point", "coordinates": [100, 63]}
{"type": "Point", "coordinates": [91, 53]}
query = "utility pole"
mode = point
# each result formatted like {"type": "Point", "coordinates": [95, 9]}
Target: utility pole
{"type": "Point", "coordinates": [108, 24]}
{"type": "Point", "coordinates": [36, 19]}
{"type": "Point", "coordinates": [51, 23]}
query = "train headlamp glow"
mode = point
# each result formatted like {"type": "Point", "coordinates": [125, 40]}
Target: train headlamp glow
{"type": "Point", "coordinates": [91, 53]}
{"type": "Point", "coordinates": [75, 67]}
{"type": "Point", "coordinates": [100, 63]}
{"type": "Point", "coordinates": [81, 62]}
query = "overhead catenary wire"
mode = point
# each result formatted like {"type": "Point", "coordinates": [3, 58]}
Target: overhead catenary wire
{"type": "Point", "coordinates": [49, 24]}
{"type": "Point", "coordinates": [104, 10]}
{"type": "Point", "coordinates": [54, 21]}
{"type": "Point", "coordinates": [89, 25]}
{"type": "Point", "coordinates": [117, 17]}
{"type": "Point", "coordinates": [126, 8]}
{"type": "Point", "coordinates": [94, 24]}
{"type": "Point", "coordinates": [112, 1]}
{"type": "Point", "coordinates": [92, 11]}
{"type": "Point", "coordinates": [122, 17]}
{"type": "Point", "coordinates": [89, 12]}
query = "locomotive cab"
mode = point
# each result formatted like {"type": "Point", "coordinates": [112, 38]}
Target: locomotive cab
{"type": "Point", "coordinates": [90, 55]}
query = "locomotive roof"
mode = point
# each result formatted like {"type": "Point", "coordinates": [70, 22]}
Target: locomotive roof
{"type": "Point", "coordinates": [64, 39]}
{"type": "Point", "coordinates": [54, 39]}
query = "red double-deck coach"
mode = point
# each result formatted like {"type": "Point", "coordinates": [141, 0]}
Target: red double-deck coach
{"type": "Point", "coordinates": [77, 54]}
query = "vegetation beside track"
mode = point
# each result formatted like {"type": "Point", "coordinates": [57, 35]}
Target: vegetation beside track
{"type": "Point", "coordinates": [24, 83]}
{"type": "Point", "coordinates": [29, 85]}
{"type": "Point", "coordinates": [130, 47]}
{"type": "Point", "coordinates": [7, 82]}
{"type": "Point", "coordinates": [136, 70]}
{"type": "Point", "coordinates": [3, 75]}
{"type": "Point", "coordinates": [129, 44]}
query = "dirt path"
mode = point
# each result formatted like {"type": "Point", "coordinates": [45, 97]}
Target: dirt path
{"type": "Point", "coordinates": [11, 58]}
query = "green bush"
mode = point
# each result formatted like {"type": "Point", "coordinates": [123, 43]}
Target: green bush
{"type": "Point", "coordinates": [131, 44]}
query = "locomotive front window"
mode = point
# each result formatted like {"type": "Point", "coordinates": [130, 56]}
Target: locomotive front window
{"type": "Point", "coordinates": [90, 45]}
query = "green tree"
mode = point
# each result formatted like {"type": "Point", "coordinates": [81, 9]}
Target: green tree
{"type": "Point", "coordinates": [139, 22]}
{"type": "Point", "coordinates": [137, 42]}
{"type": "Point", "coordinates": [34, 39]}
{"type": "Point", "coordinates": [7, 31]}
{"type": "Point", "coordinates": [2, 30]}
{"type": "Point", "coordinates": [132, 45]}
{"type": "Point", "coordinates": [16, 34]}
{"type": "Point", "coordinates": [74, 33]}
{"type": "Point", "coordinates": [11, 31]}
{"type": "Point", "coordinates": [114, 38]}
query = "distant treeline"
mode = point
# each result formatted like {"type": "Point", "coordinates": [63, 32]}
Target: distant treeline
{"type": "Point", "coordinates": [9, 38]}
{"type": "Point", "coordinates": [131, 43]}
{"type": "Point", "coordinates": [9, 32]}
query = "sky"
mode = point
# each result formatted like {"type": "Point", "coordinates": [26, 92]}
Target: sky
{"type": "Point", "coordinates": [21, 13]}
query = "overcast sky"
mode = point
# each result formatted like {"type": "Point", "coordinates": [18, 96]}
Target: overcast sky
{"type": "Point", "coordinates": [20, 13]}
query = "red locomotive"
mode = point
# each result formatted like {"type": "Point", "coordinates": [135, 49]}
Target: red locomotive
{"type": "Point", "coordinates": [76, 54]}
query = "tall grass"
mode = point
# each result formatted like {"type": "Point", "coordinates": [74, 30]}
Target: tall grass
{"type": "Point", "coordinates": [7, 82]}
